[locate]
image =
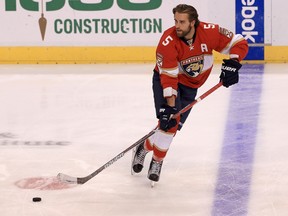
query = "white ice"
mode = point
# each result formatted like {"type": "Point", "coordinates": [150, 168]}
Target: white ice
{"type": "Point", "coordinates": [75, 118]}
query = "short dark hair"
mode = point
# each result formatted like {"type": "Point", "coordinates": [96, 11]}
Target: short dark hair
{"type": "Point", "coordinates": [190, 10]}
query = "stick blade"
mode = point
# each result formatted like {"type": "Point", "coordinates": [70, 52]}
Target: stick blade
{"type": "Point", "coordinates": [66, 178]}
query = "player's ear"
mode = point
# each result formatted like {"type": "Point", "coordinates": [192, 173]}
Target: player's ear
{"type": "Point", "coordinates": [192, 23]}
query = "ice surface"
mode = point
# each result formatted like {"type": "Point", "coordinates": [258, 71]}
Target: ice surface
{"type": "Point", "coordinates": [75, 118]}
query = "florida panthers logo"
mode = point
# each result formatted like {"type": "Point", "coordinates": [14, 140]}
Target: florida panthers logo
{"type": "Point", "coordinates": [193, 66]}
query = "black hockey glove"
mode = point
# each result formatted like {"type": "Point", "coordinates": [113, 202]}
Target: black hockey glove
{"type": "Point", "coordinates": [165, 114]}
{"type": "Point", "coordinates": [229, 72]}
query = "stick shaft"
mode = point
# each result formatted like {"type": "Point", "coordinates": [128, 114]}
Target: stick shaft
{"type": "Point", "coordinates": [204, 95]}
{"type": "Point", "coordinates": [113, 160]}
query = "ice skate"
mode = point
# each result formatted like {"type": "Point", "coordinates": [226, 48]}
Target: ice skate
{"type": "Point", "coordinates": [154, 171]}
{"type": "Point", "coordinates": [138, 158]}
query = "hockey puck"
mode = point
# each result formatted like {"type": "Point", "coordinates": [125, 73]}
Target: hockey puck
{"type": "Point", "coordinates": [36, 199]}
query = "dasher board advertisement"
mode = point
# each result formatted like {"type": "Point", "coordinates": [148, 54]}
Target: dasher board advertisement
{"type": "Point", "coordinates": [250, 23]}
{"type": "Point", "coordinates": [83, 22]}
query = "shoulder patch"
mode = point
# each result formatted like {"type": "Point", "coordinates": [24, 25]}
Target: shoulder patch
{"type": "Point", "coordinates": [159, 60]}
{"type": "Point", "coordinates": [225, 32]}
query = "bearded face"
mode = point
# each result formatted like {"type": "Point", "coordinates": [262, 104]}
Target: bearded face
{"type": "Point", "coordinates": [184, 28]}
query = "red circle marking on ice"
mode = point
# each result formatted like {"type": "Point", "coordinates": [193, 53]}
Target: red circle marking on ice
{"type": "Point", "coordinates": [43, 183]}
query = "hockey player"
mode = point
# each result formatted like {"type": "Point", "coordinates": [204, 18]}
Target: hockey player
{"type": "Point", "coordinates": [184, 61]}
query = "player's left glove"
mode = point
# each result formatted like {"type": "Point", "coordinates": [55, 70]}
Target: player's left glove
{"type": "Point", "coordinates": [229, 72]}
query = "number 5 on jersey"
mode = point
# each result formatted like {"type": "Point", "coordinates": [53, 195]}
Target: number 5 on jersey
{"type": "Point", "coordinates": [167, 40]}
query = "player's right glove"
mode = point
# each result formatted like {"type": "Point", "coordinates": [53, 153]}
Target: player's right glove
{"type": "Point", "coordinates": [165, 114]}
{"type": "Point", "coordinates": [229, 72]}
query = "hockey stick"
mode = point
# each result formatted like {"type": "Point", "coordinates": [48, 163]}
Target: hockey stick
{"type": "Point", "coordinates": [82, 180]}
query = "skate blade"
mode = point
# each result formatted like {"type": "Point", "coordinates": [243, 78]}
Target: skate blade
{"type": "Point", "coordinates": [152, 184]}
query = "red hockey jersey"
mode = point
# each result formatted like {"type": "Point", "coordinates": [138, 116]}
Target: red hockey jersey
{"type": "Point", "coordinates": [190, 64]}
